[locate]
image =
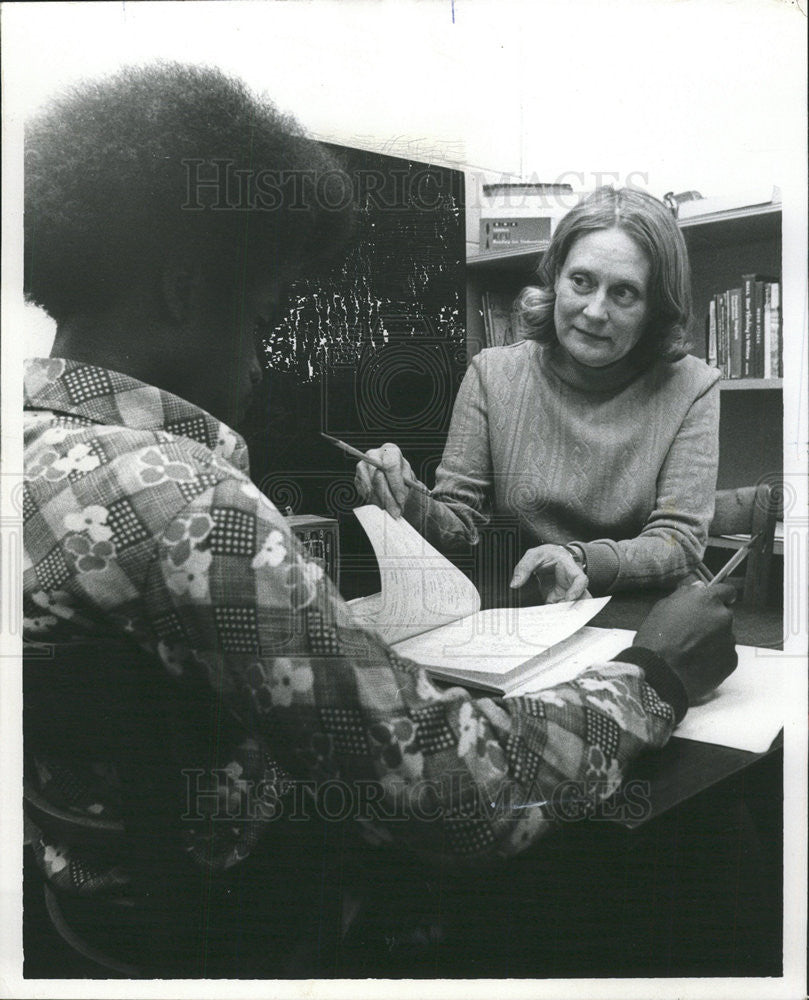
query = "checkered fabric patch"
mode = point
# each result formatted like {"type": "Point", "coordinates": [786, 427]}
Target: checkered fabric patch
{"type": "Point", "coordinates": [468, 835]}
{"type": "Point", "coordinates": [434, 732]}
{"type": "Point", "coordinates": [195, 428]}
{"type": "Point", "coordinates": [234, 532]}
{"type": "Point", "coordinates": [199, 484]}
{"type": "Point", "coordinates": [237, 629]}
{"type": "Point", "coordinates": [168, 627]}
{"type": "Point", "coordinates": [323, 639]}
{"type": "Point", "coordinates": [525, 763]}
{"type": "Point", "coordinates": [71, 420]}
{"type": "Point", "coordinates": [53, 570]}
{"type": "Point", "coordinates": [602, 731]}
{"type": "Point", "coordinates": [345, 726]}
{"type": "Point", "coordinates": [654, 704]}
{"type": "Point", "coordinates": [532, 706]}
{"type": "Point", "coordinates": [29, 506]}
{"type": "Point", "coordinates": [86, 383]}
{"type": "Point", "coordinates": [127, 527]}
{"type": "Point", "coordinates": [401, 663]}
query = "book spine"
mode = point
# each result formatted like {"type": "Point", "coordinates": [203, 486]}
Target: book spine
{"type": "Point", "coordinates": [711, 346]}
{"type": "Point", "coordinates": [767, 325]}
{"type": "Point", "coordinates": [487, 320]}
{"type": "Point", "coordinates": [777, 331]}
{"type": "Point", "coordinates": [735, 325]}
{"type": "Point", "coordinates": [748, 322]}
{"type": "Point", "coordinates": [758, 330]}
{"type": "Point", "coordinates": [721, 334]}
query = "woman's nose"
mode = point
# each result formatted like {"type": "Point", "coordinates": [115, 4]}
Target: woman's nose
{"type": "Point", "coordinates": [596, 307]}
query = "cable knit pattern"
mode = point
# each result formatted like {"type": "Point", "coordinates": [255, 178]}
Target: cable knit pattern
{"type": "Point", "coordinates": [626, 468]}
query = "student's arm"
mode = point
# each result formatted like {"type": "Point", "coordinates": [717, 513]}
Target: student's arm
{"type": "Point", "coordinates": [265, 628]}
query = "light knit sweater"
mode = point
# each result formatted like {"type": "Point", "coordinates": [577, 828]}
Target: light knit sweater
{"type": "Point", "coordinates": [621, 461]}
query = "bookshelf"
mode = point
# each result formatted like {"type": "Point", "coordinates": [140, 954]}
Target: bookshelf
{"type": "Point", "coordinates": [722, 246]}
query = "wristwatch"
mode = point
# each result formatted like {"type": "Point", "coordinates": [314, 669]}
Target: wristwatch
{"type": "Point", "coordinates": [579, 555]}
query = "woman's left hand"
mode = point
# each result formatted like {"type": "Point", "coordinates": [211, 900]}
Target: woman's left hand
{"type": "Point", "coordinates": [559, 576]}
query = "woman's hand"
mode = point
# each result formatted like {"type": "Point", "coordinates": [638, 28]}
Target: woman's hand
{"type": "Point", "coordinates": [387, 489]}
{"type": "Point", "coordinates": [559, 576]}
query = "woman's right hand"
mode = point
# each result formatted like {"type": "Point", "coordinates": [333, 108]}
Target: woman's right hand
{"type": "Point", "coordinates": [387, 489]}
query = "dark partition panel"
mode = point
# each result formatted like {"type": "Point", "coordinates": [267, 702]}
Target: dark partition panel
{"type": "Point", "coordinates": [372, 352]}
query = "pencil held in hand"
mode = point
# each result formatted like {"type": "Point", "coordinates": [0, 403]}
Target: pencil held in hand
{"type": "Point", "coordinates": [376, 463]}
{"type": "Point", "coordinates": [737, 558]}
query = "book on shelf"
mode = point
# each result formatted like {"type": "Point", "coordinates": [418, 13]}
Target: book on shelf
{"type": "Point", "coordinates": [502, 322]}
{"type": "Point", "coordinates": [711, 347]}
{"type": "Point", "coordinates": [773, 347]}
{"type": "Point", "coordinates": [753, 323]}
{"type": "Point", "coordinates": [429, 611]}
{"type": "Point", "coordinates": [722, 342]}
{"type": "Point", "coordinates": [736, 350]}
{"type": "Point", "coordinates": [743, 329]}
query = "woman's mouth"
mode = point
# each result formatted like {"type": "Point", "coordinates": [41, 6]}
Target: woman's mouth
{"type": "Point", "coordinates": [590, 335]}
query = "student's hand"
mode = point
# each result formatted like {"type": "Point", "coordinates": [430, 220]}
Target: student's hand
{"type": "Point", "coordinates": [692, 629]}
{"type": "Point", "coordinates": [559, 576]}
{"type": "Point", "coordinates": [387, 489]}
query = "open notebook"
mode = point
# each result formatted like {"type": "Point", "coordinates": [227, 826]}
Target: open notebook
{"type": "Point", "coordinates": [430, 612]}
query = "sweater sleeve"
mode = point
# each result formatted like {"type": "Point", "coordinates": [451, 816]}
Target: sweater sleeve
{"type": "Point", "coordinates": [673, 539]}
{"type": "Point", "coordinates": [460, 504]}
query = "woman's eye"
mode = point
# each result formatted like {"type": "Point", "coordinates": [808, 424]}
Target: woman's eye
{"type": "Point", "coordinates": [625, 295]}
{"type": "Point", "coordinates": [579, 281]}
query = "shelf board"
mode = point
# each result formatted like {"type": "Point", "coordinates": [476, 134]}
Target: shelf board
{"type": "Point", "coordinates": [731, 215]}
{"type": "Point", "coordinates": [750, 383]}
{"type": "Point", "coordinates": [524, 258]}
{"type": "Point", "coordinates": [746, 224]}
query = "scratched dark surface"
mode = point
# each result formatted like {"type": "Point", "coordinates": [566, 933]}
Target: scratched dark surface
{"type": "Point", "coordinates": [372, 352]}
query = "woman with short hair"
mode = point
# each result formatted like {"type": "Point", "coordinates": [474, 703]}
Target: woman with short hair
{"type": "Point", "coordinates": [598, 432]}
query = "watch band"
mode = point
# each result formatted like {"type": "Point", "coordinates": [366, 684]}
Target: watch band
{"type": "Point", "coordinates": [579, 555]}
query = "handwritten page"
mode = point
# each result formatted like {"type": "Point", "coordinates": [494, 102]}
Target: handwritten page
{"type": "Point", "coordinates": [495, 642]}
{"type": "Point", "coordinates": [421, 589]}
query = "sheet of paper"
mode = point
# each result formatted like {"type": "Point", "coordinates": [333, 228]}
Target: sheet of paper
{"type": "Point", "coordinates": [421, 589]}
{"type": "Point", "coordinates": [586, 647]}
{"type": "Point", "coordinates": [746, 712]}
{"type": "Point", "coordinates": [497, 640]}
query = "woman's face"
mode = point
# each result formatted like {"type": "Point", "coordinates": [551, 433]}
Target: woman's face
{"type": "Point", "coordinates": [602, 297]}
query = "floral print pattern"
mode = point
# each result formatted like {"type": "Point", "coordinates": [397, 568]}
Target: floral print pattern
{"type": "Point", "coordinates": [93, 520]}
{"type": "Point", "coordinates": [191, 575]}
{"type": "Point", "coordinates": [272, 553]}
{"type": "Point", "coordinates": [90, 556]}
{"type": "Point", "coordinates": [158, 468]}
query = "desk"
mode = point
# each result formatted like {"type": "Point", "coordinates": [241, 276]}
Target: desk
{"type": "Point", "coordinates": [685, 768]}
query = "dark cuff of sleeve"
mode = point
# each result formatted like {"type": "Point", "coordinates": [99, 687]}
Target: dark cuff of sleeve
{"type": "Point", "coordinates": [602, 565]}
{"type": "Point", "coordinates": [660, 676]}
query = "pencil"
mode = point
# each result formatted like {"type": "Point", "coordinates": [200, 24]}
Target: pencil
{"type": "Point", "coordinates": [739, 556]}
{"type": "Point", "coordinates": [356, 453]}
{"type": "Point", "coordinates": [703, 572]}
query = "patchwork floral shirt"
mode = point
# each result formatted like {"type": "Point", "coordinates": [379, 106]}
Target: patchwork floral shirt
{"type": "Point", "coordinates": [141, 522]}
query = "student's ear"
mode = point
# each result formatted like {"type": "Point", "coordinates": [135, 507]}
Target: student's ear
{"type": "Point", "coordinates": [181, 288]}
